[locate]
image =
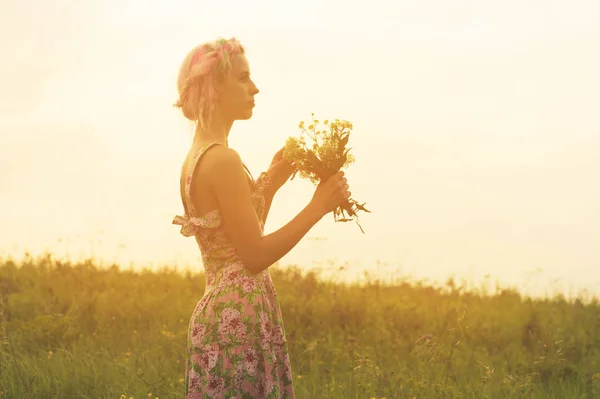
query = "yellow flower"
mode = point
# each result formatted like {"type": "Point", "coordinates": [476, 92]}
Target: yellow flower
{"type": "Point", "coordinates": [327, 151]}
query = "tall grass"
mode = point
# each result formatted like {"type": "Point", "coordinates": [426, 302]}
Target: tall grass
{"type": "Point", "coordinates": [76, 330]}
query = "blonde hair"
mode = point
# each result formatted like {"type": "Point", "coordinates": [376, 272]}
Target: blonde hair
{"type": "Point", "coordinates": [201, 68]}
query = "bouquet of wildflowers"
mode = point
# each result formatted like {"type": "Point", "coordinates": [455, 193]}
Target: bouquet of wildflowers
{"type": "Point", "coordinates": [323, 157]}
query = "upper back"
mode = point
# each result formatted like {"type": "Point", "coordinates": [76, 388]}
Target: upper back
{"type": "Point", "coordinates": [200, 167]}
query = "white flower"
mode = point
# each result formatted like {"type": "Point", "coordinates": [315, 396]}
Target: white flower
{"type": "Point", "coordinates": [249, 285]}
{"type": "Point", "coordinates": [213, 356]}
{"type": "Point", "coordinates": [215, 385]}
{"type": "Point", "coordinates": [198, 334]}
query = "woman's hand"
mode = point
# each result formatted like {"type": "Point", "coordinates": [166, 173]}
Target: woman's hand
{"type": "Point", "coordinates": [279, 171]}
{"type": "Point", "coordinates": [330, 194]}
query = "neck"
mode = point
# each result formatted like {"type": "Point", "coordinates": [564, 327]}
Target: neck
{"type": "Point", "coordinates": [216, 132]}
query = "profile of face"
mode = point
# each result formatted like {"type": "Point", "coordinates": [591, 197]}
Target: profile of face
{"type": "Point", "coordinates": [236, 90]}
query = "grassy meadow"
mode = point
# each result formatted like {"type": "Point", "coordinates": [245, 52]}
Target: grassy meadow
{"type": "Point", "coordinates": [77, 330]}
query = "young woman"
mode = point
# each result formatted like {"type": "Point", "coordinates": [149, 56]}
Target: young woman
{"type": "Point", "coordinates": [236, 339]}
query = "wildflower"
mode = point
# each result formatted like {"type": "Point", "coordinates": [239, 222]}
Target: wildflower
{"type": "Point", "coordinates": [326, 155]}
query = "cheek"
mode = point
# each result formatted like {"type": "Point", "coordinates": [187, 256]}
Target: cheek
{"type": "Point", "coordinates": [233, 96]}
{"type": "Point", "coordinates": [241, 94]}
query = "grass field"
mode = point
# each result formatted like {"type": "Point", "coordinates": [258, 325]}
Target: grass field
{"type": "Point", "coordinates": [82, 331]}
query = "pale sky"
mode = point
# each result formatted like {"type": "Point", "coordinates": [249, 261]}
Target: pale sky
{"type": "Point", "coordinates": [475, 130]}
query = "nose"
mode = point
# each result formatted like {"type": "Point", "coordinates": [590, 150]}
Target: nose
{"type": "Point", "coordinates": [254, 90]}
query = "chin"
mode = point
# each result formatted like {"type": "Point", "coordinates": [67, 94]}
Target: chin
{"type": "Point", "coordinates": [246, 115]}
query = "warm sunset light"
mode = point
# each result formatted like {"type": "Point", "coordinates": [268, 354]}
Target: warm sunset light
{"type": "Point", "coordinates": [475, 145]}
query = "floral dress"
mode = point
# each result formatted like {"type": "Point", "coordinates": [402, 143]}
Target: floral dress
{"type": "Point", "coordinates": [236, 346]}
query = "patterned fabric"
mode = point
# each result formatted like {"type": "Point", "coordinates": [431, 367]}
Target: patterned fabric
{"type": "Point", "coordinates": [236, 339]}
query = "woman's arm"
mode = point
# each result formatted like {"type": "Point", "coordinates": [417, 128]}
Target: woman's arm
{"type": "Point", "coordinates": [229, 183]}
{"type": "Point", "coordinates": [268, 201]}
{"type": "Point", "coordinates": [278, 174]}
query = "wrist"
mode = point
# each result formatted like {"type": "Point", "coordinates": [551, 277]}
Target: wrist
{"type": "Point", "coordinates": [269, 192]}
{"type": "Point", "coordinates": [266, 185]}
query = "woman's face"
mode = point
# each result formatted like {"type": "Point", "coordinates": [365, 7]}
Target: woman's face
{"type": "Point", "coordinates": [236, 91]}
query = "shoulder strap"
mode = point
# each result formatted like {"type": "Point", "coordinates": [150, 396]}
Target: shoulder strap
{"type": "Point", "coordinates": [249, 173]}
{"type": "Point", "coordinates": [188, 205]}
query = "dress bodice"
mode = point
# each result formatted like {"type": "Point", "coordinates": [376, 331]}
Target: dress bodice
{"type": "Point", "coordinates": [216, 247]}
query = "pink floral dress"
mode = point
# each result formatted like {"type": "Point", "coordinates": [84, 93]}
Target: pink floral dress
{"type": "Point", "coordinates": [236, 345]}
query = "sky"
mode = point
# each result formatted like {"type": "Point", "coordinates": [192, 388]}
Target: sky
{"type": "Point", "coordinates": [475, 134]}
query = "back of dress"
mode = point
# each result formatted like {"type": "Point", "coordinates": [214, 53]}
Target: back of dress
{"type": "Point", "coordinates": [216, 247]}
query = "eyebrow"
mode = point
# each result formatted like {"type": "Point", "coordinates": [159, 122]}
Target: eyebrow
{"type": "Point", "coordinates": [243, 73]}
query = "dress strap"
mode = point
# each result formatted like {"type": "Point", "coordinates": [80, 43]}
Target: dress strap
{"type": "Point", "coordinates": [188, 205]}
{"type": "Point", "coordinates": [190, 222]}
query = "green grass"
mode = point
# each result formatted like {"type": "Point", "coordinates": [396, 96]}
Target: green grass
{"type": "Point", "coordinates": [83, 331]}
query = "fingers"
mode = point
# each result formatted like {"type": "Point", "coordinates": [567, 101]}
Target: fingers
{"type": "Point", "coordinates": [346, 191]}
{"type": "Point", "coordinates": [343, 193]}
{"type": "Point", "coordinates": [338, 189]}
{"type": "Point", "coordinates": [341, 183]}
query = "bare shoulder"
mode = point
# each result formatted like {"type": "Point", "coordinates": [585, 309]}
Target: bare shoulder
{"type": "Point", "coordinates": [223, 166]}
{"type": "Point", "coordinates": [218, 157]}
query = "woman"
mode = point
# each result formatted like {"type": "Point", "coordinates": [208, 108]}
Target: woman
{"type": "Point", "coordinates": [236, 339]}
